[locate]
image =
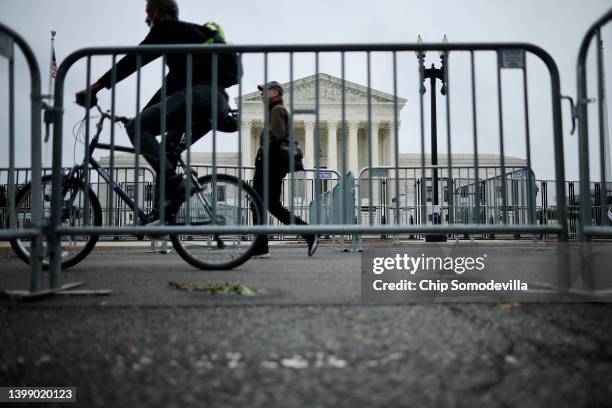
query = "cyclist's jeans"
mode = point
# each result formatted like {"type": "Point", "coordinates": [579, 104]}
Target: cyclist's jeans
{"type": "Point", "coordinates": [176, 108]}
{"type": "Point", "coordinates": [275, 206]}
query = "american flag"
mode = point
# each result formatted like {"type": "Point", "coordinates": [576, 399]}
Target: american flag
{"type": "Point", "coordinates": [53, 64]}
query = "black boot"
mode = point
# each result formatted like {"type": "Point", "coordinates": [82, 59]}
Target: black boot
{"type": "Point", "coordinates": [313, 242]}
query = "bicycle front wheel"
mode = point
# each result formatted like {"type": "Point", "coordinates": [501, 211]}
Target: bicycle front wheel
{"type": "Point", "coordinates": [234, 202]}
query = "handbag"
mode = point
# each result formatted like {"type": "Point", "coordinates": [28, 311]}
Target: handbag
{"type": "Point", "coordinates": [285, 149]}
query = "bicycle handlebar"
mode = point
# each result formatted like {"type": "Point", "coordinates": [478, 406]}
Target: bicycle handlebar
{"type": "Point", "coordinates": [106, 115]}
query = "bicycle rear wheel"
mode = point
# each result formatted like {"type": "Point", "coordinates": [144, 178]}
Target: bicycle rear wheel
{"type": "Point", "coordinates": [74, 247]}
{"type": "Point", "coordinates": [235, 203]}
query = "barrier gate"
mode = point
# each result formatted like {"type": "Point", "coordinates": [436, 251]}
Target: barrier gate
{"type": "Point", "coordinates": [594, 205]}
{"type": "Point", "coordinates": [34, 228]}
{"type": "Point", "coordinates": [507, 56]}
{"type": "Point", "coordinates": [472, 200]}
{"type": "Point", "coordinates": [603, 196]}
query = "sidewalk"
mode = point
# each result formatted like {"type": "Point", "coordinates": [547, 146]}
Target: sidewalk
{"type": "Point", "coordinates": [307, 341]}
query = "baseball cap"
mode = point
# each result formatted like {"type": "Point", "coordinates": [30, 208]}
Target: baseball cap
{"type": "Point", "coordinates": [272, 85]}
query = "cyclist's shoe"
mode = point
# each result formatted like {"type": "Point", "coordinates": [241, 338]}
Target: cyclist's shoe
{"type": "Point", "coordinates": [175, 191]}
{"type": "Point", "coordinates": [157, 236]}
{"type": "Point", "coordinates": [313, 244]}
{"type": "Point", "coordinates": [172, 184]}
{"type": "Point", "coordinates": [152, 217]}
{"type": "Point", "coordinates": [176, 187]}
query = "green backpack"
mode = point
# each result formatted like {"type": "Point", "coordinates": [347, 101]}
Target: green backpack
{"type": "Point", "coordinates": [230, 65]}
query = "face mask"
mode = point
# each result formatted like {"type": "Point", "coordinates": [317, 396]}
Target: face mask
{"type": "Point", "coordinates": [149, 20]}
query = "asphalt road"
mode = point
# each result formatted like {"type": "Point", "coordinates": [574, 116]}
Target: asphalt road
{"type": "Point", "coordinates": [308, 341]}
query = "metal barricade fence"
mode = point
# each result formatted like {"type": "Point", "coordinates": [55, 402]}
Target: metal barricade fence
{"type": "Point", "coordinates": [305, 207]}
{"type": "Point", "coordinates": [33, 229]}
{"type": "Point", "coordinates": [546, 209]}
{"type": "Point", "coordinates": [304, 190]}
{"type": "Point", "coordinates": [595, 200]}
{"type": "Point", "coordinates": [507, 56]}
{"type": "Point", "coordinates": [343, 210]}
{"type": "Point", "coordinates": [462, 200]}
{"type": "Point", "coordinates": [119, 213]}
{"type": "Point", "coordinates": [303, 200]}
{"type": "Point", "coordinates": [546, 205]}
{"type": "Point", "coordinates": [320, 208]}
{"type": "Point", "coordinates": [331, 206]}
{"type": "Point", "coordinates": [126, 177]}
{"type": "Point", "coordinates": [19, 177]}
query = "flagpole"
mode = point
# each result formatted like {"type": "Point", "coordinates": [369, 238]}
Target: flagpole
{"type": "Point", "coordinates": [53, 32]}
{"type": "Point", "coordinates": [45, 155]}
{"type": "Point", "coordinates": [604, 102]}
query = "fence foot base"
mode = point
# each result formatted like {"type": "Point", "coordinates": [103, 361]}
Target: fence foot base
{"type": "Point", "coordinates": [164, 250]}
{"type": "Point", "coordinates": [85, 292]}
{"type": "Point", "coordinates": [25, 295]}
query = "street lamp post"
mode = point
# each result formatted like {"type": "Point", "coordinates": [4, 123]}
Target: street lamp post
{"type": "Point", "coordinates": [434, 73]}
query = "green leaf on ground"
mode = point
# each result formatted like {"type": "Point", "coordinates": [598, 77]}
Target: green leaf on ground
{"type": "Point", "coordinates": [225, 288]}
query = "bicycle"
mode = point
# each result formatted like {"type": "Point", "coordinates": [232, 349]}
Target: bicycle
{"type": "Point", "coordinates": [232, 204]}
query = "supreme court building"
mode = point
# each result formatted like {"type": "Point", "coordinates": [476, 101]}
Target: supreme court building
{"type": "Point", "coordinates": [330, 122]}
{"type": "Point", "coordinates": [330, 153]}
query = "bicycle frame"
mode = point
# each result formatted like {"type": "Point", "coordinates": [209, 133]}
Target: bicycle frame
{"type": "Point", "coordinates": [78, 172]}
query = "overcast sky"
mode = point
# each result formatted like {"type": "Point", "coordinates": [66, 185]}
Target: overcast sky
{"type": "Point", "coordinates": [555, 25]}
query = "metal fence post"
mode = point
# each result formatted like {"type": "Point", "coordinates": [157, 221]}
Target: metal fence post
{"type": "Point", "coordinates": [587, 230]}
{"type": "Point", "coordinates": [8, 39]}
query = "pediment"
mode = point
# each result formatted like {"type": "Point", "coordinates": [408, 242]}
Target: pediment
{"type": "Point", "coordinates": [330, 90]}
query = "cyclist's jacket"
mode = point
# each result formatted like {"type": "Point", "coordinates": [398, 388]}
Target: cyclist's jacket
{"type": "Point", "coordinates": [170, 32]}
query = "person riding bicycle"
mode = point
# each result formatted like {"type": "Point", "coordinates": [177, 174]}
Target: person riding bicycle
{"type": "Point", "coordinates": [166, 28]}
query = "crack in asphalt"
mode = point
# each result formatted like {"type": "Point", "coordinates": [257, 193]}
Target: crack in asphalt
{"type": "Point", "coordinates": [561, 354]}
{"type": "Point", "coordinates": [500, 357]}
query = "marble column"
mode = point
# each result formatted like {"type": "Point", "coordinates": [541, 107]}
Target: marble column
{"type": "Point", "coordinates": [391, 145]}
{"type": "Point", "coordinates": [353, 149]}
{"type": "Point", "coordinates": [247, 143]}
{"type": "Point", "coordinates": [332, 146]}
{"type": "Point", "coordinates": [309, 144]}
{"type": "Point", "coordinates": [375, 148]}
{"type": "Point", "coordinates": [375, 153]}
{"type": "Point", "coordinates": [392, 174]}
